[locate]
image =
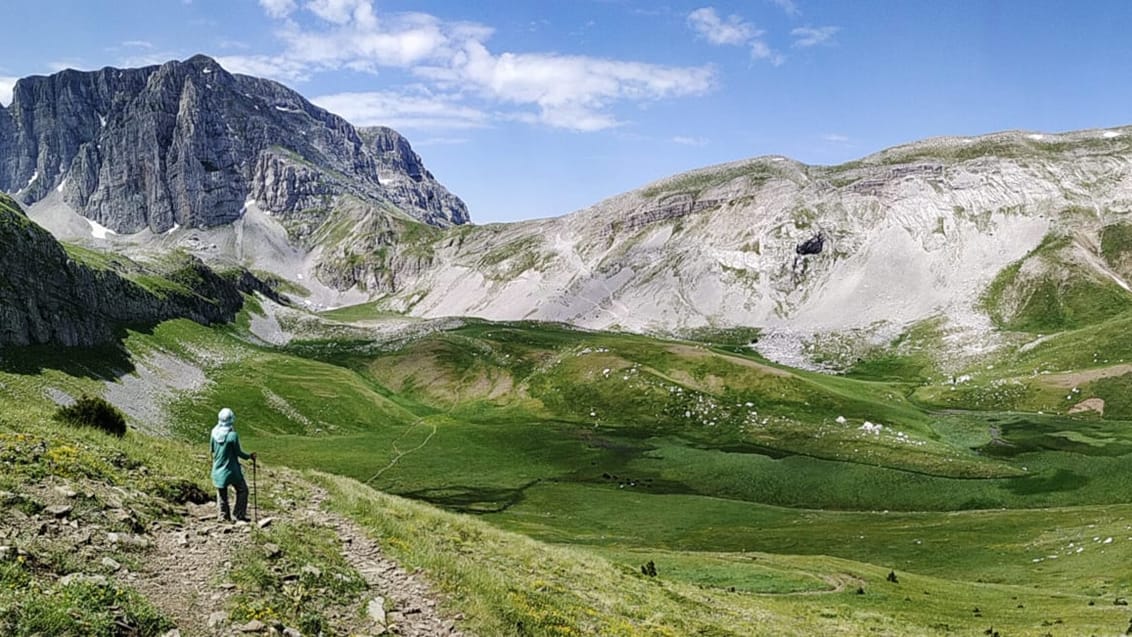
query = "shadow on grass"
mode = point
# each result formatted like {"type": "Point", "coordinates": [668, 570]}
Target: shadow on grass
{"type": "Point", "coordinates": [1062, 480]}
{"type": "Point", "coordinates": [101, 362]}
{"type": "Point", "coordinates": [471, 499]}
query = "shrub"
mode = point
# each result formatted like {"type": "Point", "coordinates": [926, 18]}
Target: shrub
{"type": "Point", "coordinates": [92, 411]}
{"type": "Point", "coordinates": [180, 491]}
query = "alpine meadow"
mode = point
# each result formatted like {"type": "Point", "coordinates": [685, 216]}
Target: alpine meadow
{"type": "Point", "coordinates": [891, 396]}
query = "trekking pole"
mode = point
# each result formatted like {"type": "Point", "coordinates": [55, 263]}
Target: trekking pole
{"type": "Point", "coordinates": [255, 494]}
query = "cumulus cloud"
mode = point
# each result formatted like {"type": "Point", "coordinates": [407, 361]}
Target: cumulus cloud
{"type": "Point", "coordinates": [569, 91]}
{"type": "Point", "coordinates": [707, 23]}
{"type": "Point", "coordinates": [732, 31]}
{"type": "Point", "coordinates": [573, 92]}
{"type": "Point", "coordinates": [813, 36]}
{"type": "Point", "coordinates": [273, 67]}
{"type": "Point", "coordinates": [403, 111]}
{"type": "Point", "coordinates": [789, 6]}
{"type": "Point", "coordinates": [362, 43]}
{"type": "Point", "coordinates": [6, 86]}
{"type": "Point", "coordinates": [278, 8]}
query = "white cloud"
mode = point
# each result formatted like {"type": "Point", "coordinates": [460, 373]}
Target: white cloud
{"type": "Point", "coordinates": [707, 23]}
{"type": "Point", "coordinates": [366, 44]}
{"type": "Point", "coordinates": [6, 86]}
{"type": "Point", "coordinates": [341, 11]}
{"type": "Point", "coordinates": [732, 31]}
{"type": "Point", "coordinates": [574, 92]}
{"type": "Point", "coordinates": [570, 91]}
{"type": "Point", "coordinates": [789, 6]}
{"type": "Point", "coordinates": [402, 111]}
{"type": "Point", "coordinates": [138, 44]}
{"type": "Point", "coordinates": [689, 141]}
{"type": "Point", "coordinates": [812, 36]}
{"type": "Point", "coordinates": [272, 67]}
{"type": "Point", "coordinates": [761, 51]}
{"type": "Point", "coordinates": [278, 8]}
{"type": "Point", "coordinates": [836, 138]}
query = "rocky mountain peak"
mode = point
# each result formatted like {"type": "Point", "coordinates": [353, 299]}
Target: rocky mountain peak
{"type": "Point", "coordinates": [187, 143]}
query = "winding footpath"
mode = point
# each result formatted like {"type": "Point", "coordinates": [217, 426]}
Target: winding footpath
{"type": "Point", "coordinates": [184, 576]}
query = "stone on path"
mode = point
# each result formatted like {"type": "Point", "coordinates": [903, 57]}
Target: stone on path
{"type": "Point", "coordinates": [376, 610]}
{"type": "Point", "coordinates": [97, 580]}
{"type": "Point", "coordinates": [217, 618]}
{"type": "Point", "coordinates": [111, 563]}
{"type": "Point", "coordinates": [59, 510]}
{"type": "Point", "coordinates": [254, 626]}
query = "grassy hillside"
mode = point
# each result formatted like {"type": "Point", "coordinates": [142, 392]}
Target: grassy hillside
{"type": "Point", "coordinates": [763, 501]}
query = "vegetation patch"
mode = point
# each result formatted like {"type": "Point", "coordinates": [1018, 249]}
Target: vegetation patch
{"type": "Point", "coordinates": [92, 411]}
{"type": "Point", "coordinates": [1047, 291]}
{"type": "Point", "coordinates": [756, 172]}
{"type": "Point", "coordinates": [289, 573]}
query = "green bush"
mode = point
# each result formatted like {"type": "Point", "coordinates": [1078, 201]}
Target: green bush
{"type": "Point", "coordinates": [92, 411]}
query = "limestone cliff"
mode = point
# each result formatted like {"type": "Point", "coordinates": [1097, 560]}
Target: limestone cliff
{"type": "Point", "coordinates": [188, 144]}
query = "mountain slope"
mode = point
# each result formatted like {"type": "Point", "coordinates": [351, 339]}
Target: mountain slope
{"type": "Point", "coordinates": [48, 295]}
{"type": "Point", "coordinates": [878, 244]}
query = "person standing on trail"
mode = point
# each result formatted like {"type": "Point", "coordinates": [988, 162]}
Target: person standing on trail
{"type": "Point", "coordinates": [226, 454]}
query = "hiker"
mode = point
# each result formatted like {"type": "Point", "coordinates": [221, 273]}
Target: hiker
{"type": "Point", "coordinates": [226, 472]}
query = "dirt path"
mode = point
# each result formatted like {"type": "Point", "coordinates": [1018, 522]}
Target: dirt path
{"type": "Point", "coordinates": [414, 604]}
{"type": "Point", "coordinates": [184, 575]}
{"type": "Point", "coordinates": [1072, 379]}
{"type": "Point", "coordinates": [184, 568]}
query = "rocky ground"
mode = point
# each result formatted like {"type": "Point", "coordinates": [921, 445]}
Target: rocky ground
{"type": "Point", "coordinates": [180, 557]}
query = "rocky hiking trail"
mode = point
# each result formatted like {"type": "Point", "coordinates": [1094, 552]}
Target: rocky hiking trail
{"type": "Point", "coordinates": [184, 576]}
{"type": "Point", "coordinates": [186, 563]}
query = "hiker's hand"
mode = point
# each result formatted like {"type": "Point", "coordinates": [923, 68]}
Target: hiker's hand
{"type": "Point", "coordinates": [253, 455]}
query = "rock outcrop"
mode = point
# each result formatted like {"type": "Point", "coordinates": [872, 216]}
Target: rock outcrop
{"type": "Point", "coordinates": [187, 144]}
{"type": "Point", "coordinates": [48, 297]}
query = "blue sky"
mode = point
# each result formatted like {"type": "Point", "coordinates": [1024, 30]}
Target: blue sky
{"type": "Point", "coordinates": [537, 108]}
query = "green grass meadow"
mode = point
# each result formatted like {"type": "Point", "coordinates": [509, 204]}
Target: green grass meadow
{"type": "Point", "coordinates": [532, 470]}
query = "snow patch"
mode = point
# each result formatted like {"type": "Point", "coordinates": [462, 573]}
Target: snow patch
{"type": "Point", "coordinates": [176, 227]}
{"type": "Point", "coordinates": [1109, 134]}
{"type": "Point", "coordinates": [1036, 137]}
{"type": "Point", "coordinates": [99, 231]}
{"type": "Point", "coordinates": [59, 188]}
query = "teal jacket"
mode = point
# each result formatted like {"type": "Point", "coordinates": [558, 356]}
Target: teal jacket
{"type": "Point", "coordinates": [226, 452]}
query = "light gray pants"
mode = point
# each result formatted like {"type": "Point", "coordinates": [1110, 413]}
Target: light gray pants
{"type": "Point", "coordinates": [241, 512]}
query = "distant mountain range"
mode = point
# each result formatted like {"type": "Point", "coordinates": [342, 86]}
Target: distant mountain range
{"type": "Point", "coordinates": [1019, 231]}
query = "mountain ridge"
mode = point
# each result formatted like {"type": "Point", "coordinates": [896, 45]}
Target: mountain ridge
{"type": "Point", "coordinates": [187, 144]}
{"type": "Point", "coordinates": [869, 247]}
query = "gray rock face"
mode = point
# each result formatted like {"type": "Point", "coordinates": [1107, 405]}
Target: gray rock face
{"type": "Point", "coordinates": [874, 245]}
{"type": "Point", "coordinates": [407, 182]}
{"type": "Point", "coordinates": [47, 297]}
{"type": "Point", "coordinates": [187, 143]}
